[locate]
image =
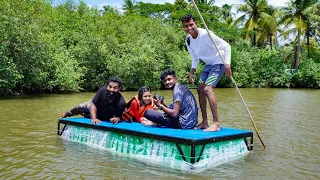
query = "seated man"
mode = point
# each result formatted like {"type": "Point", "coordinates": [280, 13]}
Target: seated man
{"type": "Point", "coordinates": [108, 104]}
{"type": "Point", "coordinates": [183, 115]}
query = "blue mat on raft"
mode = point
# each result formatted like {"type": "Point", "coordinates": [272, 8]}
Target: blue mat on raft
{"type": "Point", "coordinates": [190, 134]}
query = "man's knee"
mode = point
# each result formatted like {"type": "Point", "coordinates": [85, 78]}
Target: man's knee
{"type": "Point", "coordinates": [208, 89]}
{"type": "Point", "coordinates": [152, 114]}
{"type": "Point", "coordinates": [201, 87]}
{"type": "Point", "coordinates": [82, 108]}
{"type": "Point", "coordinates": [84, 105]}
{"type": "Point", "coordinates": [148, 114]}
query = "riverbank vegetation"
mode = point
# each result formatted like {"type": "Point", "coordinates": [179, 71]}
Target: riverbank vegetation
{"type": "Point", "coordinates": [72, 47]}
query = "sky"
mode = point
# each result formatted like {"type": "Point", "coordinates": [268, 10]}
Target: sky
{"type": "Point", "coordinates": [118, 3]}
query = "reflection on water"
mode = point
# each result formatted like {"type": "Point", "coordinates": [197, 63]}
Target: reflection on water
{"type": "Point", "coordinates": [287, 120]}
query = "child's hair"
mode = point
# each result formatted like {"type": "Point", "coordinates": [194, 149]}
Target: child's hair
{"type": "Point", "coordinates": [166, 73]}
{"type": "Point", "coordinates": [142, 90]}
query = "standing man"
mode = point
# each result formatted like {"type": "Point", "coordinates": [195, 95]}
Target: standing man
{"type": "Point", "coordinates": [107, 105]}
{"type": "Point", "coordinates": [183, 115]}
{"type": "Point", "coordinates": [200, 46]}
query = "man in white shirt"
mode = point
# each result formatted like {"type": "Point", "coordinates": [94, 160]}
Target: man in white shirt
{"type": "Point", "coordinates": [201, 47]}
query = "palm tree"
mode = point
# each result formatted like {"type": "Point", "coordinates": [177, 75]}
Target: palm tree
{"type": "Point", "coordinates": [296, 19]}
{"type": "Point", "coordinates": [254, 16]}
{"type": "Point", "coordinates": [313, 24]}
{"type": "Point", "coordinates": [107, 9]}
{"type": "Point", "coordinates": [208, 2]}
{"type": "Point", "coordinates": [226, 14]}
{"type": "Point", "coordinates": [268, 28]}
{"type": "Point", "coordinates": [128, 6]}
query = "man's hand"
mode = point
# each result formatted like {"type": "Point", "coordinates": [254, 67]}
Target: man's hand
{"type": "Point", "coordinates": [157, 102]}
{"type": "Point", "coordinates": [95, 121]}
{"type": "Point", "coordinates": [228, 72]}
{"type": "Point", "coordinates": [115, 120]}
{"type": "Point", "coordinates": [191, 78]}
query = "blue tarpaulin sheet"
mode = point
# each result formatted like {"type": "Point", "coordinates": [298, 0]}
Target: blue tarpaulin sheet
{"type": "Point", "coordinates": [187, 134]}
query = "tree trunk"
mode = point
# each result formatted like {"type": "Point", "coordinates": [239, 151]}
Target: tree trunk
{"type": "Point", "coordinates": [270, 40]}
{"type": "Point", "coordinates": [254, 37]}
{"type": "Point", "coordinates": [298, 52]}
{"type": "Point", "coordinates": [308, 44]}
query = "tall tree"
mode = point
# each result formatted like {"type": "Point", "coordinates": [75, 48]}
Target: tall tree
{"type": "Point", "coordinates": [313, 22]}
{"type": "Point", "coordinates": [254, 16]}
{"type": "Point", "coordinates": [296, 19]}
{"type": "Point", "coordinates": [226, 14]}
{"type": "Point", "coordinates": [268, 29]}
{"type": "Point", "coordinates": [128, 6]}
{"type": "Point", "coordinates": [208, 2]}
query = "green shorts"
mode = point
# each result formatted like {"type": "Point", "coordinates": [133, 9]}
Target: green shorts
{"type": "Point", "coordinates": [211, 74]}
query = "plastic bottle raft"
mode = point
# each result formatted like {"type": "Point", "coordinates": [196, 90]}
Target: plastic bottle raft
{"type": "Point", "coordinates": [185, 150]}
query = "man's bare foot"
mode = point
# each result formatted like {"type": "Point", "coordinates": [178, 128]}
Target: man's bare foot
{"type": "Point", "coordinates": [213, 127]}
{"type": "Point", "coordinates": [147, 122]}
{"type": "Point", "coordinates": [202, 126]}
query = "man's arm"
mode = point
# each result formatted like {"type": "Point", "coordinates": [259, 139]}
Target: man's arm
{"type": "Point", "coordinates": [194, 64]}
{"type": "Point", "coordinates": [225, 48]}
{"type": "Point", "coordinates": [191, 75]}
{"type": "Point", "coordinates": [194, 58]}
{"type": "Point", "coordinates": [93, 106]}
{"type": "Point", "coordinates": [93, 114]}
{"type": "Point", "coordinates": [171, 112]}
{"type": "Point", "coordinates": [118, 112]}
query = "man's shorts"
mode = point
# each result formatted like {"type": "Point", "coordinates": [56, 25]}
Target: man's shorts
{"type": "Point", "coordinates": [211, 74]}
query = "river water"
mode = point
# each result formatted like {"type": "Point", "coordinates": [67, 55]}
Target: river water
{"type": "Point", "coordinates": [287, 120]}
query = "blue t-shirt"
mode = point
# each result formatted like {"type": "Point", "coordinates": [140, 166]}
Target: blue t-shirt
{"type": "Point", "coordinates": [188, 115]}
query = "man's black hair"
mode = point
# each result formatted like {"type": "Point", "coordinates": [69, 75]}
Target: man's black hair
{"type": "Point", "coordinates": [166, 73]}
{"type": "Point", "coordinates": [116, 80]}
{"type": "Point", "coordinates": [187, 18]}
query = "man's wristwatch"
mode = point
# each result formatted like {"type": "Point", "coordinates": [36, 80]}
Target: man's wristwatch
{"type": "Point", "coordinates": [160, 107]}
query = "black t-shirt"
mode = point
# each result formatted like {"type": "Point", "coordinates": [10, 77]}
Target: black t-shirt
{"type": "Point", "coordinates": [105, 109]}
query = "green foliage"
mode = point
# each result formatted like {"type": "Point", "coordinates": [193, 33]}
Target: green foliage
{"type": "Point", "coordinates": [254, 67]}
{"type": "Point", "coordinates": [242, 66]}
{"type": "Point", "coordinates": [308, 75]}
{"type": "Point", "coordinates": [270, 69]}
{"type": "Point", "coordinates": [72, 47]}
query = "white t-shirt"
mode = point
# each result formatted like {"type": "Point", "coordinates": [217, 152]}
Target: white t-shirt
{"type": "Point", "coordinates": [203, 48]}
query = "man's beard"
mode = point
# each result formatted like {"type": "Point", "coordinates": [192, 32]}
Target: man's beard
{"type": "Point", "coordinates": [111, 96]}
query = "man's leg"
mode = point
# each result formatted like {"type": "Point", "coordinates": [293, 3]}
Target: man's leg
{"type": "Point", "coordinates": [213, 106]}
{"type": "Point", "coordinates": [203, 106]}
{"type": "Point", "coordinates": [215, 75]}
{"type": "Point", "coordinates": [82, 109]}
{"type": "Point", "coordinates": [161, 118]}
